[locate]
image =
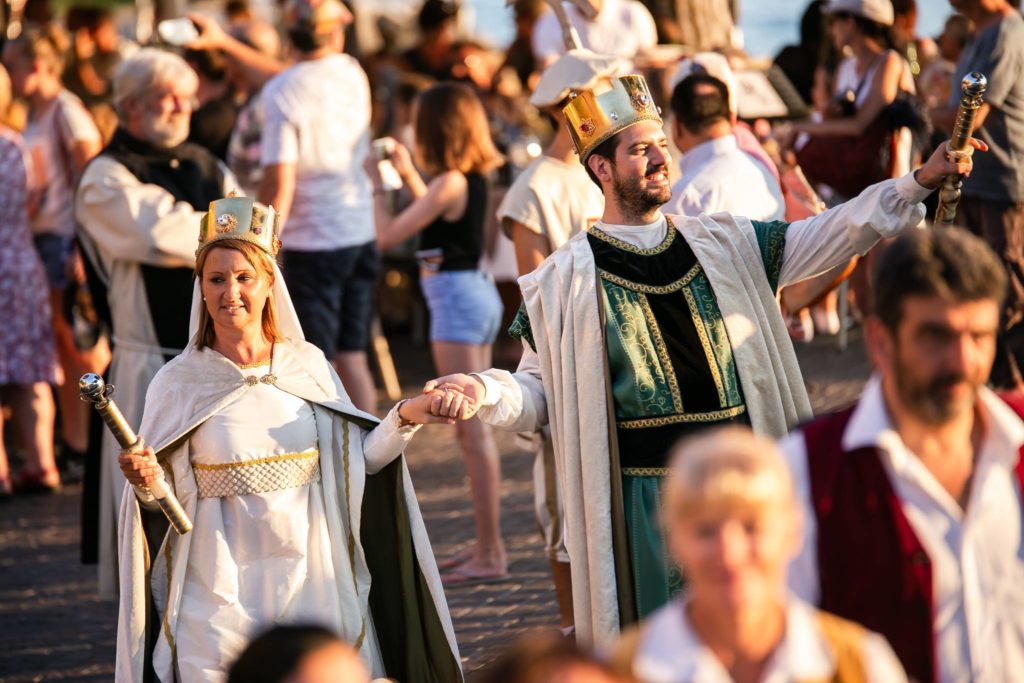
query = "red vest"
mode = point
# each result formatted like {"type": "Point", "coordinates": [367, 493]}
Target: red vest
{"type": "Point", "coordinates": [871, 566]}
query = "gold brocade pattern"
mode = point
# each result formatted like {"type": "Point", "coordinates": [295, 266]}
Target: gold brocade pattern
{"type": "Point", "coordinates": [650, 380]}
{"type": "Point", "coordinates": [645, 471]}
{"type": "Point", "coordinates": [653, 289]}
{"type": "Point", "coordinates": [712, 416]}
{"type": "Point", "coordinates": [705, 342]}
{"type": "Point", "coordinates": [670, 237]}
{"type": "Point", "coordinates": [666, 362]}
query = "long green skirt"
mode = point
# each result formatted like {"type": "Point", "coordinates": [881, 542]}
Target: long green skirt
{"type": "Point", "coordinates": [655, 577]}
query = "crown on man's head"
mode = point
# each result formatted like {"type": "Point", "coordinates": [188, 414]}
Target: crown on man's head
{"type": "Point", "coordinates": [240, 218]}
{"type": "Point", "coordinates": [596, 115]}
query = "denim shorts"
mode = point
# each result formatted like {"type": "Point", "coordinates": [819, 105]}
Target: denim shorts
{"type": "Point", "coordinates": [465, 307]}
{"type": "Point", "coordinates": [54, 251]}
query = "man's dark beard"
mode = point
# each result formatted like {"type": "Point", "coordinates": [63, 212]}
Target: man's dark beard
{"type": "Point", "coordinates": [634, 201]}
{"type": "Point", "coordinates": [926, 401]}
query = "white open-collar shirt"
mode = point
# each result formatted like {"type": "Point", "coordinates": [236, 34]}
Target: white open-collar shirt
{"type": "Point", "coordinates": [976, 554]}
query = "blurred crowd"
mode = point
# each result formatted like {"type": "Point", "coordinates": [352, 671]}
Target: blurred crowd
{"type": "Point", "coordinates": [399, 151]}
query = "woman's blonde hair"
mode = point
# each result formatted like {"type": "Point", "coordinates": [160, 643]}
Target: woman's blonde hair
{"type": "Point", "coordinates": [264, 266]}
{"type": "Point", "coordinates": [452, 131]}
{"type": "Point", "coordinates": [726, 469]}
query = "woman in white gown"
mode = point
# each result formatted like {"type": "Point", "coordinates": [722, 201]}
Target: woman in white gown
{"type": "Point", "coordinates": [302, 506]}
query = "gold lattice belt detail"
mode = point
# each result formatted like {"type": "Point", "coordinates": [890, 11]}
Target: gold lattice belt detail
{"type": "Point", "coordinates": [645, 471]}
{"type": "Point", "coordinates": [274, 473]}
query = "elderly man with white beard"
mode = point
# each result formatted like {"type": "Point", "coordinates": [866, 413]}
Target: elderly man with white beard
{"type": "Point", "coordinates": [137, 207]}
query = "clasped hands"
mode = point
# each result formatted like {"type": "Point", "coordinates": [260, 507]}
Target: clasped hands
{"type": "Point", "coordinates": [454, 397]}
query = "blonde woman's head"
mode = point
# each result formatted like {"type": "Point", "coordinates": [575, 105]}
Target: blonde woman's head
{"type": "Point", "coordinates": [730, 516]}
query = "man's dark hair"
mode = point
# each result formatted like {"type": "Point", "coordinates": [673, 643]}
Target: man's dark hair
{"type": "Point", "coordinates": [949, 263]}
{"type": "Point", "coordinates": [273, 656]}
{"type": "Point", "coordinates": [698, 101]}
{"type": "Point", "coordinates": [435, 13]}
{"type": "Point", "coordinates": [607, 150]}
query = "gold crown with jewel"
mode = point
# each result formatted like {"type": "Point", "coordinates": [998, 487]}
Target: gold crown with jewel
{"type": "Point", "coordinates": [240, 218]}
{"type": "Point", "coordinates": [596, 115]}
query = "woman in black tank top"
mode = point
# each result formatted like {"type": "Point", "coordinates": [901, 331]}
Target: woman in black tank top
{"type": "Point", "coordinates": [455, 150]}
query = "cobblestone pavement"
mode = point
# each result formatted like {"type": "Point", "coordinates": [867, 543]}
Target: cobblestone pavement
{"type": "Point", "coordinates": [52, 626]}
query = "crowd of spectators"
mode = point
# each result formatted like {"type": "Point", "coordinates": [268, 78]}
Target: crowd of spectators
{"type": "Point", "coordinates": [110, 153]}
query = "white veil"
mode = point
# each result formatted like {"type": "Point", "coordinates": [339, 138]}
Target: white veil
{"type": "Point", "coordinates": [287, 321]}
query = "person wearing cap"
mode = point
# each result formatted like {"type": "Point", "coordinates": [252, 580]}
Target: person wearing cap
{"type": "Point", "coordinates": [549, 202]}
{"type": "Point", "coordinates": [869, 79]}
{"type": "Point", "coordinates": [136, 207]}
{"type": "Point", "coordinates": [992, 201]}
{"type": "Point", "coordinates": [316, 134]}
{"type": "Point", "coordinates": [646, 328]}
{"type": "Point", "coordinates": [301, 504]}
{"type": "Point", "coordinates": [733, 525]}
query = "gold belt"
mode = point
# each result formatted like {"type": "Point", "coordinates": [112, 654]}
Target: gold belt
{"type": "Point", "coordinates": [274, 473]}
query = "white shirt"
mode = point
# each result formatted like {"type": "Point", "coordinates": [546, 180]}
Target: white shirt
{"type": "Point", "coordinates": [977, 556]}
{"type": "Point", "coordinates": [670, 651]}
{"type": "Point", "coordinates": [623, 28]}
{"type": "Point", "coordinates": [554, 199]}
{"type": "Point", "coordinates": [317, 116]}
{"type": "Point", "coordinates": [718, 176]}
{"type": "Point", "coordinates": [50, 139]}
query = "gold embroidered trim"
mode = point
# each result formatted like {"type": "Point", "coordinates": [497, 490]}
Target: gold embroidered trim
{"type": "Point", "coordinates": [351, 539]}
{"type": "Point", "coordinates": [250, 366]}
{"type": "Point", "coordinates": [645, 471]}
{"type": "Point", "coordinates": [712, 416]}
{"type": "Point", "coordinates": [167, 608]}
{"type": "Point", "coordinates": [705, 341]}
{"type": "Point", "coordinates": [662, 350]}
{"type": "Point", "coordinates": [276, 473]}
{"type": "Point", "coordinates": [670, 237]}
{"type": "Point", "coordinates": [653, 289]}
{"type": "Point", "coordinates": [309, 453]}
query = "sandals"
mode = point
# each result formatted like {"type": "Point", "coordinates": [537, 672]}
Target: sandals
{"type": "Point", "coordinates": [44, 482]}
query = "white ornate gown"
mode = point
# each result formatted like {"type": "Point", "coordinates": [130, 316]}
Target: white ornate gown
{"type": "Point", "coordinates": [261, 551]}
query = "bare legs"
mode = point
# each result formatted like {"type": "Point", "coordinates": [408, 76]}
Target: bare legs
{"type": "Point", "coordinates": [488, 556]}
{"type": "Point", "coordinates": [32, 412]}
{"type": "Point", "coordinates": [354, 370]}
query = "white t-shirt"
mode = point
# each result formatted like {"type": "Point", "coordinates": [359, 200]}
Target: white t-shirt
{"type": "Point", "coordinates": [553, 199]}
{"type": "Point", "coordinates": [623, 28]}
{"type": "Point", "coordinates": [718, 176]}
{"type": "Point", "coordinates": [50, 139]}
{"type": "Point", "coordinates": [317, 116]}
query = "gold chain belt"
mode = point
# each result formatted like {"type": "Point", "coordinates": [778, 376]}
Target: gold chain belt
{"type": "Point", "coordinates": [274, 473]}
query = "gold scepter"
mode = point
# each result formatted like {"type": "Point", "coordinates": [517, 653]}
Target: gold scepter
{"type": "Point", "coordinates": [95, 391]}
{"type": "Point", "coordinates": [972, 90]}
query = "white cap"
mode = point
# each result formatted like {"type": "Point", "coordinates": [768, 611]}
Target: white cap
{"type": "Point", "coordinates": [575, 70]}
{"type": "Point", "coordinates": [710, 63]}
{"type": "Point", "coordinates": [878, 11]}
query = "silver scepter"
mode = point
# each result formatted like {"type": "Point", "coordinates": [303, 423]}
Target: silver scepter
{"type": "Point", "coordinates": [972, 91]}
{"type": "Point", "coordinates": [97, 392]}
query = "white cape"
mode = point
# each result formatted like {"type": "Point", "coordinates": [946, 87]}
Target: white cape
{"type": "Point", "coordinates": [185, 393]}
